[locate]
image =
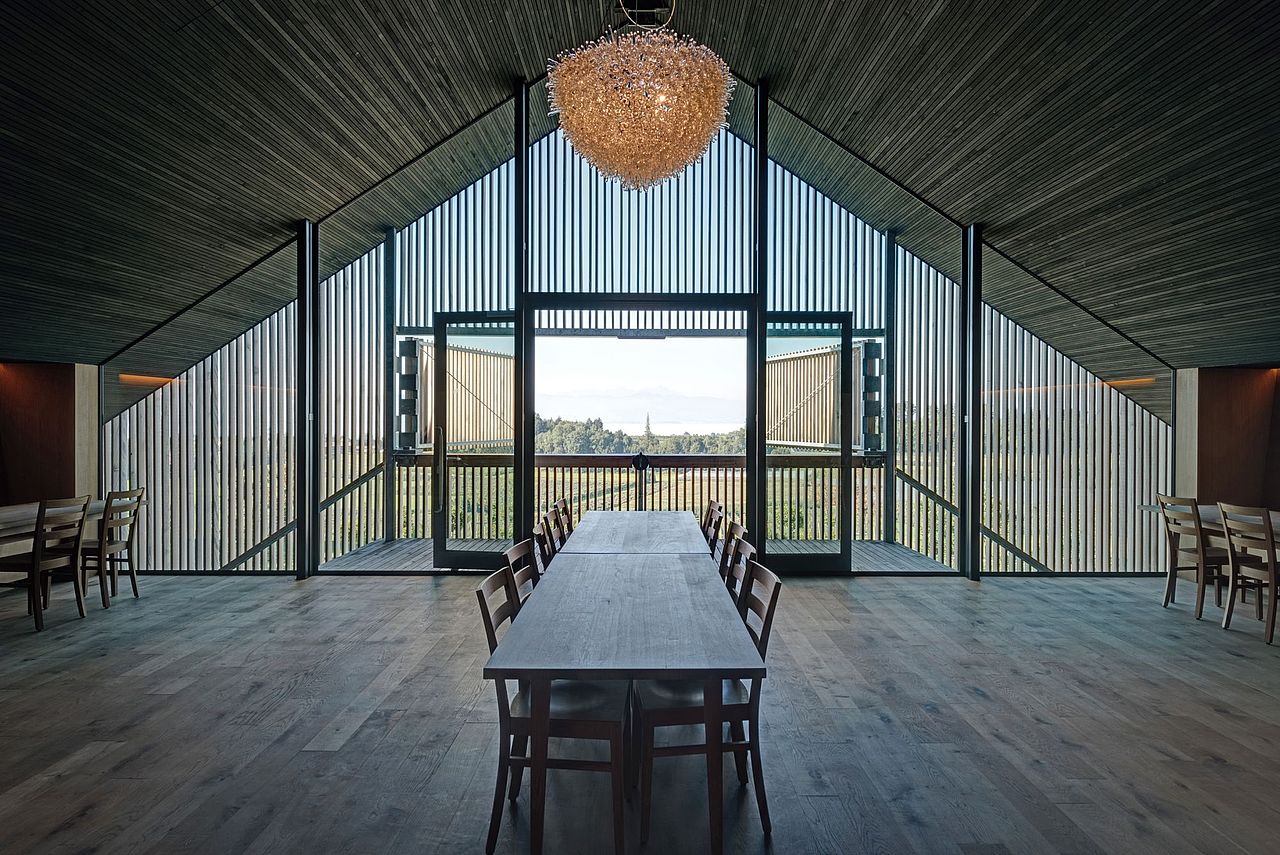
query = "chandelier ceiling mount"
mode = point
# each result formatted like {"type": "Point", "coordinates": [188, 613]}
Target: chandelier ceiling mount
{"type": "Point", "coordinates": [640, 105]}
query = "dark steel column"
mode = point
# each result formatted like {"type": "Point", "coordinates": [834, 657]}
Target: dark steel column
{"type": "Point", "coordinates": [756, 328]}
{"type": "Point", "coordinates": [969, 478]}
{"type": "Point", "coordinates": [524, 337]}
{"type": "Point", "coordinates": [306, 393]}
{"type": "Point", "coordinates": [390, 386]}
{"type": "Point", "coordinates": [104, 478]}
{"type": "Point", "coordinates": [1172, 489]}
{"type": "Point", "coordinates": [889, 393]}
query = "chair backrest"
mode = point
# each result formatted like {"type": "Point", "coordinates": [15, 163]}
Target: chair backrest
{"type": "Point", "coordinates": [705, 519]}
{"type": "Point", "coordinates": [551, 528]}
{"type": "Point", "coordinates": [120, 517]}
{"type": "Point", "coordinates": [711, 531]}
{"type": "Point", "coordinates": [564, 516]}
{"type": "Point", "coordinates": [497, 610]}
{"type": "Point", "coordinates": [732, 534]}
{"type": "Point", "coordinates": [759, 600]}
{"type": "Point", "coordinates": [735, 581]}
{"type": "Point", "coordinates": [522, 570]}
{"type": "Point", "coordinates": [1182, 519]}
{"type": "Point", "coordinates": [19, 532]}
{"type": "Point", "coordinates": [58, 533]}
{"type": "Point", "coordinates": [545, 550]}
{"type": "Point", "coordinates": [1249, 528]}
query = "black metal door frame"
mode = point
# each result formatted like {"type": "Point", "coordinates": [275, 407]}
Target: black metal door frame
{"type": "Point", "coordinates": [587, 301]}
{"type": "Point", "coordinates": [442, 555]}
{"type": "Point", "coordinates": [827, 563]}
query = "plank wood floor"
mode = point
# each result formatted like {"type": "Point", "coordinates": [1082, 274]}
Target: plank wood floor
{"type": "Point", "coordinates": [250, 714]}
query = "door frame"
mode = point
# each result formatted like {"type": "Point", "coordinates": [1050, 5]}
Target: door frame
{"type": "Point", "coordinates": [443, 557]}
{"type": "Point", "coordinates": [819, 563]}
{"type": "Point", "coordinates": [586, 301]}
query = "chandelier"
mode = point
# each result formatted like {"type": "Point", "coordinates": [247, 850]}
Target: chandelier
{"type": "Point", "coordinates": [642, 105]}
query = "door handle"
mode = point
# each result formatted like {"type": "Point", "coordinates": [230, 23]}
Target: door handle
{"type": "Point", "coordinates": [440, 467]}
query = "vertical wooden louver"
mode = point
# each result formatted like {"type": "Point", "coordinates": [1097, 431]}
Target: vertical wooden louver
{"type": "Point", "coordinates": [1067, 458]}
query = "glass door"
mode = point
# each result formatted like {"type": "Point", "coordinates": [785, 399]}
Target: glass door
{"type": "Point", "coordinates": [808, 438]}
{"type": "Point", "coordinates": [473, 439]}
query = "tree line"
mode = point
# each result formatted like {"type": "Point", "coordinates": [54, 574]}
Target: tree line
{"type": "Point", "coordinates": [563, 436]}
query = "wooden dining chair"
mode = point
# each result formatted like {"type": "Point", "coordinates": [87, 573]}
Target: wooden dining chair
{"type": "Point", "coordinates": [735, 579]}
{"type": "Point", "coordinates": [1251, 560]}
{"type": "Point", "coordinates": [113, 544]}
{"type": "Point", "coordinates": [1190, 551]}
{"type": "Point", "coordinates": [671, 703]}
{"type": "Point", "coordinates": [733, 533]}
{"type": "Point", "coordinates": [705, 519]}
{"type": "Point", "coordinates": [564, 516]}
{"type": "Point", "coordinates": [56, 539]}
{"type": "Point", "coordinates": [555, 534]}
{"type": "Point", "coordinates": [546, 551]}
{"type": "Point", "coordinates": [711, 531]}
{"type": "Point", "coordinates": [580, 709]}
{"type": "Point", "coordinates": [522, 568]}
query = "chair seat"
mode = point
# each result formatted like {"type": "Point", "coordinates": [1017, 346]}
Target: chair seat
{"type": "Point", "coordinates": [113, 546]}
{"type": "Point", "coordinates": [687, 694]}
{"type": "Point", "coordinates": [22, 563]}
{"type": "Point", "coordinates": [579, 700]}
{"type": "Point", "coordinates": [1212, 554]}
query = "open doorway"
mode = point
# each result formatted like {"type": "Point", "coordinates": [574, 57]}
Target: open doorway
{"type": "Point", "coordinates": [610, 386]}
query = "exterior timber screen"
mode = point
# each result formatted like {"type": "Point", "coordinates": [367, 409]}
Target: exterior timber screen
{"type": "Point", "coordinates": [1067, 458]}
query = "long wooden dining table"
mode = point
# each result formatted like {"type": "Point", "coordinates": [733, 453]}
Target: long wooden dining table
{"type": "Point", "coordinates": [637, 532]}
{"type": "Point", "coordinates": [1211, 520]}
{"type": "Point", "coordinates": [628, 615]}
{"type": "Point", "coordinates": [18, 520]}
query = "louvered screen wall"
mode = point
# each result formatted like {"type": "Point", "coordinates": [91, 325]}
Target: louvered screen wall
{"type": "Point", "coordinates": [1069, 459]}
{"type": "Point", "coordinates": [350, 406]}
{"type": "Point", "coordinates": [1068, 463]}
{"type": "Point", "coordinates": [214, 449]}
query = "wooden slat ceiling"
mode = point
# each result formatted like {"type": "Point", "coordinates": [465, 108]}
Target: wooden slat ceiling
{"type": "Point", "coordinates": [1124, 153]}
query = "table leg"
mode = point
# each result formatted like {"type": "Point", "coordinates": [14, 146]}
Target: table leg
{"type": "Point", "coordinates": [715, 763]}
{"type": "Point", "coordinates": [540, 699]}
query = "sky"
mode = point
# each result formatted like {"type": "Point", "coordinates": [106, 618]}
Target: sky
{"type": "Point", "coordinates": [693, 385]}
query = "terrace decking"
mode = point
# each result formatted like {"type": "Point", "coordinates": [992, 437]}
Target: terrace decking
{"type": "Point", "coordinates": [1021, 715]}
{"type": "Point", "coordinates": [415, 554]}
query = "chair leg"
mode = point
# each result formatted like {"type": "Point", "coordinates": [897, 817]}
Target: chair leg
{"type": "Point", "coordinates": [740, 755]}
{"type": "Point", "coordinates": [495, 816]}
{"type": "Point", "coordinates": [102, 585]}
{"type": "Point", "coordinates": [757, 772]}
{"type": "Point", "coordinates": [1231, 599]}
{"type": "Point", "coordinates": [1257, 604]}
{"type": "Point", "coordinates": [133, 575]}
{"type": "Point", "coordinates": [1202, 582]}
{"type": "Point", "coordinates": [646, 779]}
{"type": "Point", "coordinates": [616, 769]}
{"type": "Point", "coordinates": [1217, 588]}
{"type": "Point", "coordinates": [520, 748]}
{"type": "Point", "coordinates": [631, 755]}
{"type": "Point", "coordinates": [37, 608]}
{"type": "Point", "coordinates": [1169, 584]}
{"type": "Point", "coordinates": [1271, 609]}
{"type": "Point", "coordinates": [115, 579]}
{"type": "Point", "coordinates": [46, 587]}
{"type": "Point", "coordinates": [79, 589]}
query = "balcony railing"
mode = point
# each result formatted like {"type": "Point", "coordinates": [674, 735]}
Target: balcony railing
{"type": "Point", "coordinates": [802, 490]}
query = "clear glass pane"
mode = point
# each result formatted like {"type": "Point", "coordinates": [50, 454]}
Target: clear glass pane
{"type": "Point", "coordinates": [479, 431]}
{"type": "Point", "coordinates": [802, 438]}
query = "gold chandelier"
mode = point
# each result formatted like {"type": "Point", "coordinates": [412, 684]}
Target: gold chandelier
{"type": "Point", "coordinates": [640, 106]}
